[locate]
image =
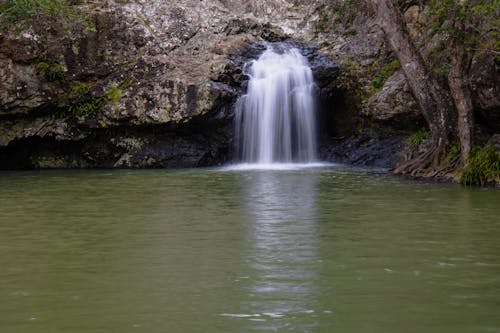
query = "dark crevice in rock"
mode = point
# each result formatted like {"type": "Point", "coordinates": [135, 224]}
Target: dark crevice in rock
{"type": "Point", "coordinates": [37, 112]}
{"type": "Point", "coordinates": [199, 143]}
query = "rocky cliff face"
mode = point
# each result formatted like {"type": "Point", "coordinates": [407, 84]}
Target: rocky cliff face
{"type": "Point", "coordinates": [151, 83]}
{"type": "Point", "coordinates": [148, 84]}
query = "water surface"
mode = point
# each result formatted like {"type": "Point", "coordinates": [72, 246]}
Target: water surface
{"type": "Point", "coordinates": [326, 249]}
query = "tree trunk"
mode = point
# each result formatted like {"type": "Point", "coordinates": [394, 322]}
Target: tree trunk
{"type": "Point", "coordinates": [434, 101]}
{"type": "Point", "coordinates": [460, 90]}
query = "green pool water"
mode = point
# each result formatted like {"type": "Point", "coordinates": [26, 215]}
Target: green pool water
{"type": "Point", "coordinates": [326, 249]}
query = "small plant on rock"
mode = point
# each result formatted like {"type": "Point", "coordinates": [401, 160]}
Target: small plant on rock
{"type": "Point", "coordinates": [385, 72]}
{"type": "Point", "coordinates": [51, 70]}
{"type": "Point", "coordinates": [417, 138]}
{"type": "Point", "coordinates": [114, 94]}
{"type": "Point", "coordinates": [79, 91]}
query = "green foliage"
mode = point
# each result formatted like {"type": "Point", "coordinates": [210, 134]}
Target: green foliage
{"type": "Point", "coordinates": [350, 79]}
{"type": "Point", "coordinates": [385, 72]}
{"type": "Point", "coordinates": [114, 94]}
{"type": "Point", "coordinates": [438, 61]}
{"type": "Point", "coordinates": [51, 70]}
{"type": "Point", "coordinates": [472, 25]}
{"type": "Point", "coordinates": [82, 103]}
{"type": "Point", "coordinates": [79, 90]}
{"type": "Point", "coordinates": [18, 12]}
{"type": "Point", "coordinates": [441, 10]}
{"type": "Point", "coordinates": [14, 11]}
{"type": "Point", "coordinates": [87, 108]}
{"type": "Point", "coordinates": [417, 138]}
{"type": "Point", "coordinates": [441, 70]}
{"type": "Point", "coordinates": [483, 167]}
{"type": "Point", "coordinates": [479, 18]}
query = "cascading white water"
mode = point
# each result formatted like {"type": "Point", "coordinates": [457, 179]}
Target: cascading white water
{"type": "Point", "coordinates": [275, 122]}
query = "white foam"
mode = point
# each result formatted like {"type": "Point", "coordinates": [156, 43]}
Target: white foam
{"type": "Point", "coordinates": [275, 166]}
{"type": "Point", "coordinates": [239, 315]}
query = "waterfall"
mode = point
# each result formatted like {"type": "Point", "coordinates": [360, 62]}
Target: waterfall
{"type": "Point", "coordinates": [275, 122]}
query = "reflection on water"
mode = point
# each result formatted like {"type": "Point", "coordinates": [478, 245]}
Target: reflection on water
{"type": "Point", "coordinates": [283, 245]}
{"type": "Point", "coordinates": [304, 250]}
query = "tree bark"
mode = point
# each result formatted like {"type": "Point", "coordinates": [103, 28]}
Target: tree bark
{"type": "Point", "coordinates": [460, 90]}
{"type": "Point", "coordinates": [435, 102]}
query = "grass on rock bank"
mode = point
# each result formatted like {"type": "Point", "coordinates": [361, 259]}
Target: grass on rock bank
{"type": "Point", "coordinates": [19, 12]}
{"type": "Point", "coordinates": [483, 167]}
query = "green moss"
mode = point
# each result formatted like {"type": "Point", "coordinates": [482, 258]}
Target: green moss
{"type": "Point", "coordinates": [19, 12]}
{"type": "Point", "coordinates": [417, 138]}
{"type": "Point", "coordinates": [82, 103]}
{"type": "Point", "coordinates": [51, 70]}
{"type": "Point", "coordinates": [79, 90]}
{"type": "Point", "coordinates": [86, 108]}
{"type": "Point", "coordinates": [80, 100]}
{"type": "Point", "coordinates": [385, 72]}
{"type": "Point", "coordinates": [438, 61]}
{"type": "Point", "coordinates": [114, 94]}
{"type": "Point", "coordinates": [483, 167]}
{"type": "Point", "coordinates": [350, 81]}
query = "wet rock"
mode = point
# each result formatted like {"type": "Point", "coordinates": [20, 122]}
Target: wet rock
{"type": "Point", "coordinates": [325, 70]}
{"type": "Point", "coordinates": [371, 148]}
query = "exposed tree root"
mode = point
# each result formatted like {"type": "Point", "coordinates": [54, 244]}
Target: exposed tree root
{"type": "Point", "coordinates": [430, 164]}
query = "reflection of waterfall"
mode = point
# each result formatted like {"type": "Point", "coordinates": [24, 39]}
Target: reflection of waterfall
{"type": "Point", "coordinates": [283, 246]}
{"type": "Point", "coordinates": [275, 120]}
